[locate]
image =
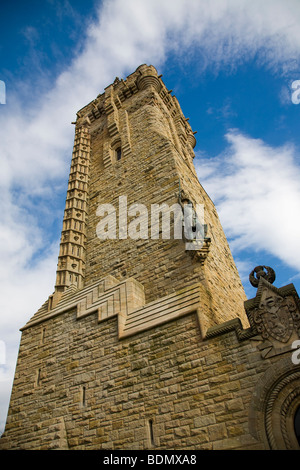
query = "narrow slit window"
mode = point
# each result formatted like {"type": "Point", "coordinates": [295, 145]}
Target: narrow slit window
{"type": "Point", "coordinates": [83, 395]}
{"type": "Point", "coordinates": [44, 329]}
{"type": "Point", "coordinates": [38, 379]}
{"type": "Point", "coordinates": [151, 433]}
{"type": "Point", "coordinates": [118, 153]}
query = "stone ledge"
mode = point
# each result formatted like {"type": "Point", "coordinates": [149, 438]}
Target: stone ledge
{"type": "Point", "coordinates": [68, 300]}
{"type": "Point", "coordinates": [162, 310]}
{"type": "Point", "coordinates": [231, 325]}
{"type": "Point", "coordinates": [109, 297]}
{"type": "Point", "coordinates": [126, 300]}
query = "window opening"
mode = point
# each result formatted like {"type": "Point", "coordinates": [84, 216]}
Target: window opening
{"type": "Point", "coordinates": [38, 380]}
{"type": "Point", "coordinates": [118, 153]}
{"type": "Point", "coordinates": [83, 397]}
{"type": "Point", "coordinates": [44, 329]}
{"type": "Point", "coordinates": [151, 432]}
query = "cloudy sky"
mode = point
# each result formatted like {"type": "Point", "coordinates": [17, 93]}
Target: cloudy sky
{"type": "Point", "coordinates": [234, 67]}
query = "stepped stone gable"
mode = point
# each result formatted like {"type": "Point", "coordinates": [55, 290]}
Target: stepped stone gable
{"type": "Point", "coordinates": [145, 344]}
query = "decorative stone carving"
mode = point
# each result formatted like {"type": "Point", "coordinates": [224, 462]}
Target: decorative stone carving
{"type": "Point", "coordinates": [202, 246]}
{"type": "Point", "coordinates": [274, 316]}
{"type": "Point", "coordinates": [274, 402]}
{"type": "Point", "coordinates": [201, 255]}
{"type": "Point", "coordinates": [261, 271]}
{"type": "Point", "coordinates": [66, 273]}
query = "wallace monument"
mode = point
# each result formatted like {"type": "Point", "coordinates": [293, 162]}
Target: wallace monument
{"type": "Point", "coordinates": [148, 340]}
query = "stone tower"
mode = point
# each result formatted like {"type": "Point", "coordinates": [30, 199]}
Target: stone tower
{"type": "Point", "coordinates": [145, 342]}
{"type": "Point", "coordinates": [134, 146]}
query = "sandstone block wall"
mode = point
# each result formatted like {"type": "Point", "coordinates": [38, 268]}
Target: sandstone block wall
{"type": "Point", "coordinates": [144, 345]}
{"type": "Point", "coordinates": [77, 386]}
{"type": "Point", "coordinates": [85, 389]}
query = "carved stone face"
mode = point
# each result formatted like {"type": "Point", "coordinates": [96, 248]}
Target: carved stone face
{"type": "Point", "coordinates": [271, 304]}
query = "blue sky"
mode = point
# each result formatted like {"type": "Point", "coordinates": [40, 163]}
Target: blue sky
{"type": "Point", "coordinates": [230, 63]}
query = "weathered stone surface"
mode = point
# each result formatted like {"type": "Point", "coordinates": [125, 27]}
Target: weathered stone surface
{"type": "Point", "coordinates": [143, 346]}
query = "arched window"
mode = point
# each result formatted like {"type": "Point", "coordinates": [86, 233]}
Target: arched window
{"type": "Point", "coordinates": [297, 424]}
{"type": "Point", "coordinates": [115, 150]}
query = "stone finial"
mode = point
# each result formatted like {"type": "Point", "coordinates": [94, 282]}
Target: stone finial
{"type": "Point", "coordinates": [261, 271]}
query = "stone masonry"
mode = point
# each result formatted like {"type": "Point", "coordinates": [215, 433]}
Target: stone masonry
{"type": "Point", "coordinates": [145, 344]}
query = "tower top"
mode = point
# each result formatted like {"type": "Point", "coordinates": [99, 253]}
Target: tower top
{"type": "Point", "coordinates": [114, 95]}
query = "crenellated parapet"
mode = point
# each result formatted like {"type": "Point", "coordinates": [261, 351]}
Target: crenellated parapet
{"type": "Point", "coordinates": [118, 102]}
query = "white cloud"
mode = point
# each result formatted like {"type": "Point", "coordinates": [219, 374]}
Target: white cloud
{"type": "Point", "coordinates": [127, 34]}
{"type": "Point", "coordinates": [36, 135]}
{"type": "Point", "coordinates": [25, 285]}
{"type": "Point", "coordinates": [256, 189]}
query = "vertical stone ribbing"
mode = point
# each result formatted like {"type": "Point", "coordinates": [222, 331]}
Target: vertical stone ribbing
{"type": "Point", "coordinates": [71, 259]}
